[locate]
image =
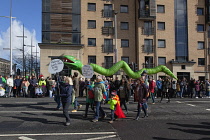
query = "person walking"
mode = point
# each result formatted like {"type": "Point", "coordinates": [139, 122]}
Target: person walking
{"type": "Point", "coordinates": [152, 89]}
{"type": "Point", "coordinates": [123, 93]}
{"type": "Point", "coordinates": [51, 86]}
{"type": "Point", "coordinates": [99, 90]}
{"type": "Point", "coordinates": [75, 93]}
{"type": "Point", "coordinates": [141, 98]}
{"type": "Point", "coordinates": [159, 87]}
{"type": "Point", "coordinates": [166, 86]}
{"type": "Point", "coordinates": [66, 94]}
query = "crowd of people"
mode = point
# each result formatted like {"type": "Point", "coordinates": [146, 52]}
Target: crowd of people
{"type": "Point", "coordinates": [67, 89]}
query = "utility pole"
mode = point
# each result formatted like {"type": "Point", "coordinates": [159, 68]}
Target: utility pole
{"type": "Point", "coordinates": [24, 71]}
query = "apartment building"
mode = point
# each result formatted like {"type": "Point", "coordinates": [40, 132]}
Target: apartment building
{"type": "Point", "coordinates": [4, 67]}
{"type": "Point", "coordinates": [146, 32]}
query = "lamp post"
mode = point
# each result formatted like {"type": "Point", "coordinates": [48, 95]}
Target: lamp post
{"type": "Point", "coordinates": [115, 28]}
{"type": "Point", "coordinates": [24, 72]}
{"type": "Point", "coordinates": [10, 41]}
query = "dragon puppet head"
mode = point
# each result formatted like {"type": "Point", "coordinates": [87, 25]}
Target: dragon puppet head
{"type": "Point", "coordinates": [72, 62]}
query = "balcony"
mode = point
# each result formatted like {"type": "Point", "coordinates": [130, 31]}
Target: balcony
{"type": "Point", "coordinates": [148, 31]}
{"type": "Point", "coordinates": [107, 13]}
{"type": "Point", "coordinates": [147, 49]}
{"type": "Point", "coordinates": [145, 14]}
{"type": "Point", "coordinates": [107, 48]}
{"type": "Point", "coordinates": [150, 65]}
{"type": "Point", "coordinates": [108, 31]}
{"type": "Point", "coordinates": [107, 65]}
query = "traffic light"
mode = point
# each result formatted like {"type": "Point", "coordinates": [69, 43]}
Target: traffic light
{"type": "Point", "coordinates": [18, 71]}
{"type": "Point", "coordinates": [135, 67]}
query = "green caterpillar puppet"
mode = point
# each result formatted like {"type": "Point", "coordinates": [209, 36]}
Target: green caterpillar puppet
{"type": "Point", "coordinates": [75, 64]}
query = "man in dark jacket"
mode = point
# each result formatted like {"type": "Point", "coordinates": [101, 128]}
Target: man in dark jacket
{"type": "Point", "coordinates": [17, 84]}
{"type": "Point", "coordinates": [142, 95]}
{"type": "Point", "coordinates": [33, 82]}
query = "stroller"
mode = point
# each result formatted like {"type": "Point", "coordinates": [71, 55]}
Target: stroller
{"type": "Point", "coordinates": [38, 92]}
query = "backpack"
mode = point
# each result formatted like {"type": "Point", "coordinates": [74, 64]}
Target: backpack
{"type": "Point", "coordinates": [64, 91]}
{"type": "Point", "coordinates": [90, 94]}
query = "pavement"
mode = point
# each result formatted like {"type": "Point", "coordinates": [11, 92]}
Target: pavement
{"type": "Point", "coordinates": [36, 119]}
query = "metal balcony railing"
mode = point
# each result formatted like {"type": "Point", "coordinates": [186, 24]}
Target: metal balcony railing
{"type": "Point", "coordinates": [148, 31]}
{"type": "Point", "coordinates": [107, 31]}
{"type": "Point", "coordinates": [149, 65]}
{"type": "Point", "coordinates": [107, 13]}
{"type": "Point", "coordinates": [107, 48]}
{"type": "Point", "coordinates": [147, 49]}
{"type": "Point", "coordinates": [145, 14]}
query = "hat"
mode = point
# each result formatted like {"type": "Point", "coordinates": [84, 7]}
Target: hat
{"type": "Point", "coordinates": [113, 93]}
{"type": "Point", "coordinates": [99, 77]}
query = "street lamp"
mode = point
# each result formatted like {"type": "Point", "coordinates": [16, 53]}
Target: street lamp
{"type": "Point", "coordinates": [11, 73]}
{"type": "Point", "coordinates": [115, 25]}
{"type": "Point", "coordinates": [23, 51]}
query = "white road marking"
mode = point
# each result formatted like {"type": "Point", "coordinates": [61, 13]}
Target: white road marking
{"type": "Point", "coordinates": [208, 109]}
{"type": "Point", "coordinates": [57, 111]}
{"type": "Point", "coordinates": [179, 102]}
{"type": "Point", "coordinates": [24, 138]}
{"type": "Point", "coordinates": [57, 134]}
{"type": "Point", "coordinates": [190, 105]}
{"type": "Point", "coordinates": [100, 138]}
{"type": "Point", "coordinates": [26, 102]}
{"type": "Point", "coordinates": [198, 101]}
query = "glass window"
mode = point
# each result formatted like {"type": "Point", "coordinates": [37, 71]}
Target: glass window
{"type": "Point", "coordinates": [124, 26]}
{"type": "Point", "coordinates": [108, 46]}
{"type": "Point", "coordinates": [161, 61]}
{"type": "Point", "coordinates": [92, 59]}
{"type": "Point", "coordinates": [91, 41]}
{"type": "Point", "coordinates": [200, 45]}
{"type": "Point", "coordinates": [91, 24]}
{"type": "Point", "coordinates": [123, 8]}
{"type": "Point", "coordinates": [160, 9]}
{"type": "Point", "coordinates": [161, 43]}
{"type": "Point", "coordinates": [161, 25]}
{"type": "Point", "coordinates": [201, 61]}
{"type": "Point", "coordinates": [124, 43]}
{"type": "Point", "coordinates": [108, 24]}
{"type": "Point", "coordinates": [200, 11]}
{"type": "Point", "coordinates": [91, 7]}
{"type": "Point", "coordinates": [200, 27]}
{"type": "Point", "coordinates": [126, 59]}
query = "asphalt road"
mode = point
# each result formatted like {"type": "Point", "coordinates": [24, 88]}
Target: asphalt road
{"type": "Point", "coordinates": [36, 119]}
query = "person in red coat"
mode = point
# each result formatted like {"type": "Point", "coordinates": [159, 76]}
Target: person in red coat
{"type": "Point", "coordinates": [152, 85]}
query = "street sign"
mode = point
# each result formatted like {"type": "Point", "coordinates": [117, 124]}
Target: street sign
{"type": "Point", "coordinates": [56, 65]}
{"type": "Point", "coordinates": [87, 71]}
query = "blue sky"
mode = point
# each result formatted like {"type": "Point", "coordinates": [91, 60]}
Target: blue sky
{"type": "Point", "coordinates": [28, 12]}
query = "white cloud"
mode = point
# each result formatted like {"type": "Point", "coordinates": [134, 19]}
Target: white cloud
{"type": "Point", "coordinates": [17, 42]}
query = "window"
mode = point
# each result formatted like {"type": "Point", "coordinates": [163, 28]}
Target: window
{"type": "Point", "coordinates": [91, 7]}
{"type": "Point", "coordinates": [126, 59]}
{"type": "Point", "coordinates": [108, 11]}
{"type": "Point", "coordinates": [200, 27]}
{"type": "Point", "coordinates": [91, 41]}
{"type": "Point", "coordinates": [148, 29]}
{"type": "Point", "coordinates": [161, 43]}
{"type": "Point", "coordinates": [160, 9]}
{"type": "Point", "coordinates": [124, 9]}
{"type": "Point", "coordinates": [201, 61]}
{"type": "Point", "coordinates": [124, 26]}
{"type": "Point", "coordinates": [183, 67]}
{"type": "Point", "coordinates": [200, 45]}
{"type": "Point", "coordinates": [92, 59]}
{"type": "Point", "coordinates": [161, 61]}
{"type": "Point", "coordinates": [108, 46]}
{"type": "Point", "coordinates": [108, 24]}
{"type": "Point", "coordinates": [124, 43]}
{"type": "Point", "coordinates": [148, 46]}
{"type": "Point", "coordinates": [200, 11]}
{"type": "Point", "coordinates": [161, 25]}
{"type": "Point", "coordinates": [91, 24]}
{"type": "Point", "coordinates": [108, 61]}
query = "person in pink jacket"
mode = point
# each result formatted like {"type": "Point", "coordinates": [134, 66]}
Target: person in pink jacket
{"type": "Point", "coordinates": [152, 85]}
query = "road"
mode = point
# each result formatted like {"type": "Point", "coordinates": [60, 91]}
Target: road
{"type": "Point", "coordinates": [36, 119]}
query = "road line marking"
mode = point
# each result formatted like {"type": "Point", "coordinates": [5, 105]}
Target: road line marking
{"type": "Point", "coordinates": [208, 109]}
{"type": "Point", "coordinates": [198, 101]}
{"type": "Point", "coordinates": [190, 105]}
{"type": "Point", "coordinates": [30, 111]}
{"type": "Point", "coordinates": [99, 138]}
{"type": "Point", "coordinates": [179, 102]}
{"type": "Point", "coordinates": [26, 102]}
{"type": "Point", "coordinates": [57, 134]}
{"type": "Point", "coordinates": [25, 138]}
